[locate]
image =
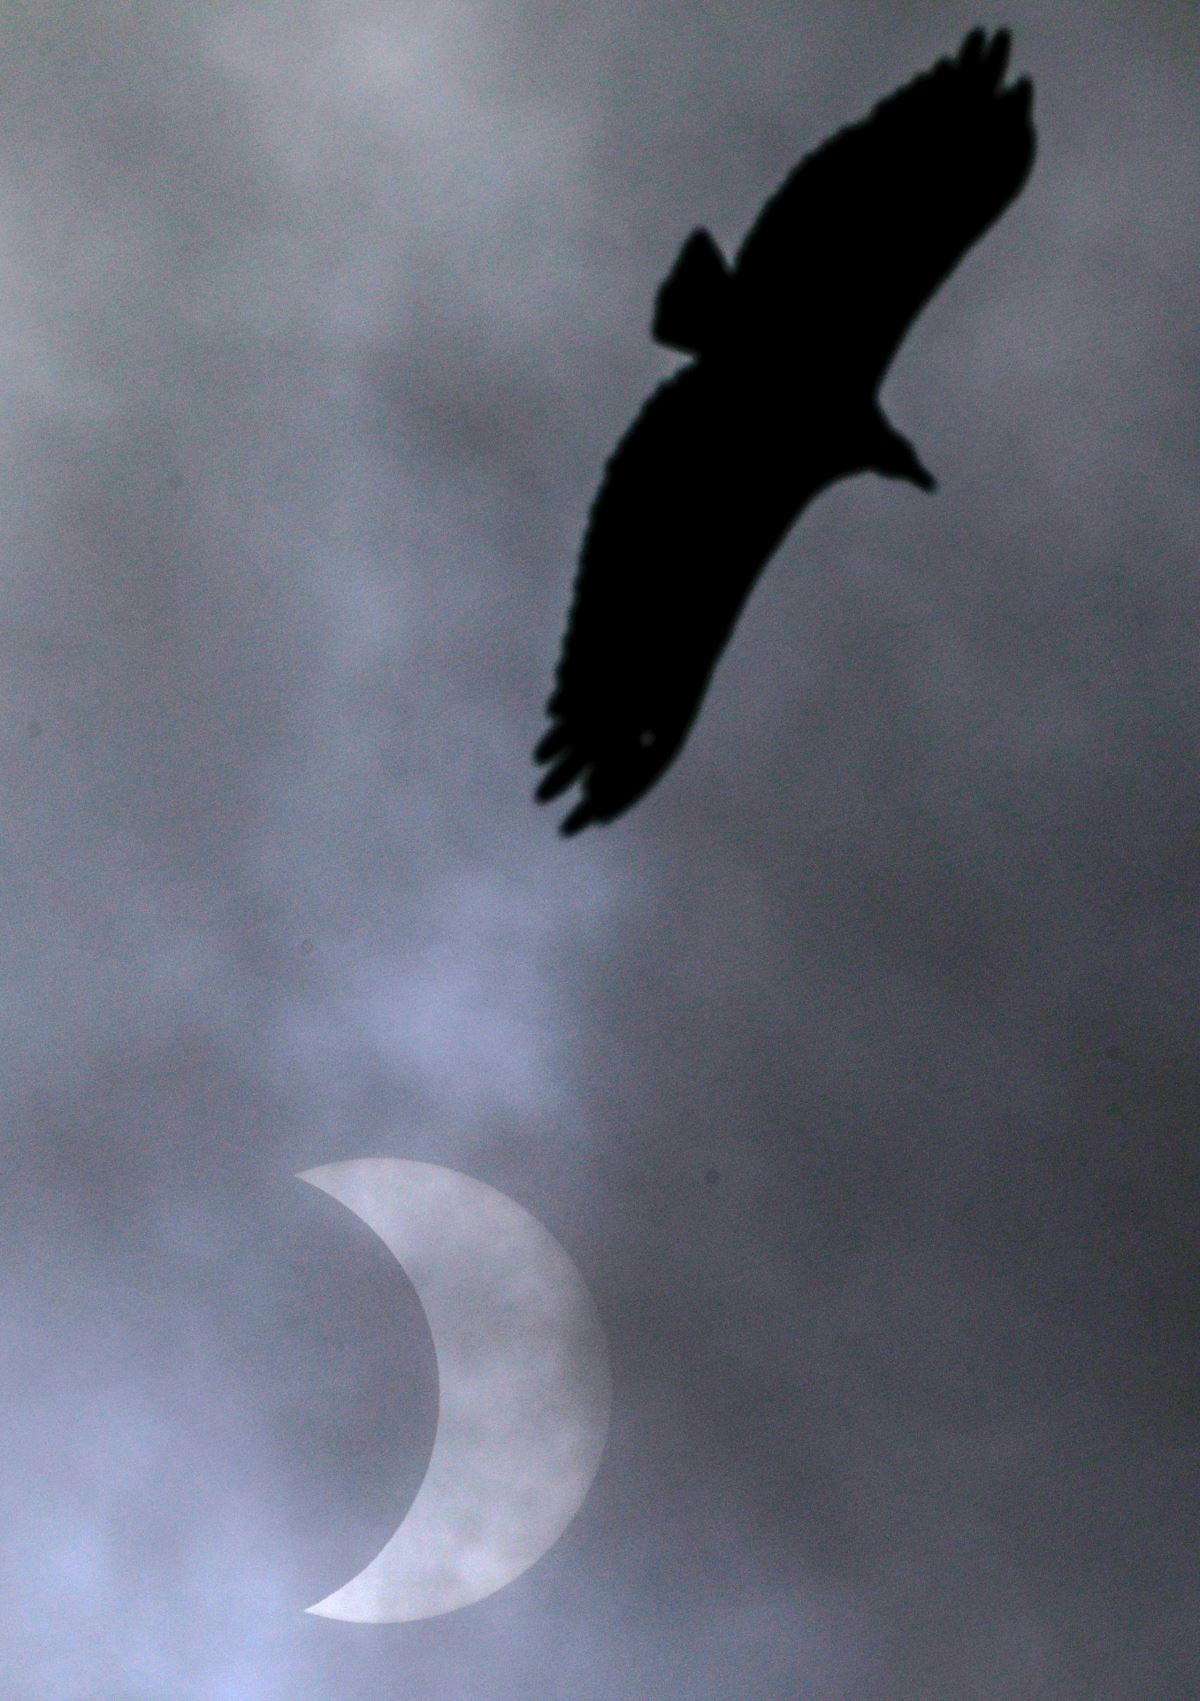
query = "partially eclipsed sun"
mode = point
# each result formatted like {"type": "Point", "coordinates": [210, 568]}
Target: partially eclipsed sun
{"type": "Point", "coordinates": [523, 1388]}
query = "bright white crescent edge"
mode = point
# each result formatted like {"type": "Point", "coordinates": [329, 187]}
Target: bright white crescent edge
{"type": "Point", "coordinates": [524, 1389]}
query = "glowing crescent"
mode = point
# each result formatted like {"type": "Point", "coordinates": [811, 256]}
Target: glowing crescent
{"type": "Point", "coordinates": [523, 1388]}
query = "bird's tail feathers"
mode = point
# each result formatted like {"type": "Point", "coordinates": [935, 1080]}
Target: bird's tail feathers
{"type": "Point", "coordinates": [691, 299]}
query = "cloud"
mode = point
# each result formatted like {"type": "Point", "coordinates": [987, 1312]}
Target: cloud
{"type": "Point", "coordinates": [318, 327]}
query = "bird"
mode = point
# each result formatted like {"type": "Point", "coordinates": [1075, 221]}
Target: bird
{"type": "Point", "coordinates": [787, 349]}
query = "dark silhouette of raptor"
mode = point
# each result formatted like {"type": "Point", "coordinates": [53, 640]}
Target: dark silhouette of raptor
{"type": "Point", "coordinates": [790, 346]}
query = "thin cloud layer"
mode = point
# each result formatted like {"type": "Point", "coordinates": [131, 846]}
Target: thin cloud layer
{"type": "Point", "coordinates": [857, 1072]}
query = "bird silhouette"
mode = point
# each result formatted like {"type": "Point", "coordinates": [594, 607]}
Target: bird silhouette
{"type": "Point", "coordinates": [789, 347]}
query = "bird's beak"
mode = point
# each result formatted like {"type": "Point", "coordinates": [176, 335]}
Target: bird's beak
{"type": "Point", "coordinates": [896, 458]}
{"type": "Point", "coordinates": [903, 463]}
{"type": "Point", "coordinates": [921, 476]}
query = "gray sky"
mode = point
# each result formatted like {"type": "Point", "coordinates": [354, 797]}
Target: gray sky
{"type": "Point", "coordinates": [318, 323]}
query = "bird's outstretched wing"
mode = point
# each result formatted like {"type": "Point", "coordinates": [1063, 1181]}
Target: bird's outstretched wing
{"type": "Point", "coordinates": [671, 551]}
{"type": "Point", "coordinates": [862, 232]}
{"type": "Point", "coordinates": [701, 490]}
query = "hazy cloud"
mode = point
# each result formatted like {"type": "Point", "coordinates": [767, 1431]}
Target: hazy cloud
{"type": "Point", "coordinates": [857, 1070]}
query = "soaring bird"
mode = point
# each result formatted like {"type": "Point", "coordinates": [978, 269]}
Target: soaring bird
{"type": "Point", "coordinates": [789, 346]}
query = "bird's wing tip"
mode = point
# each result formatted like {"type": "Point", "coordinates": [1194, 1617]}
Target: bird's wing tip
{"type": "Point", "coordinates": [549, 744]}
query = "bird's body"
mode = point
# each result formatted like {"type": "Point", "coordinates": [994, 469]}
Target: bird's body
{"type": "Point", "coordinates": [790, 346]}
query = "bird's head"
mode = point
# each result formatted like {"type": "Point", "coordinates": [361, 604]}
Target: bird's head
{"type": "Point", "coordinates": [894, 456]}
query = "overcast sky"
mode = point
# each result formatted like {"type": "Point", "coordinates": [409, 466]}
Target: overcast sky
{"type": "Point", "coordinates": [857, 1069]}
